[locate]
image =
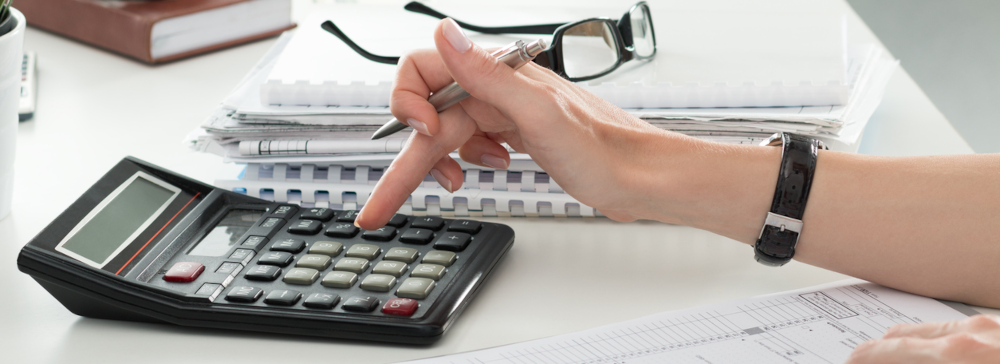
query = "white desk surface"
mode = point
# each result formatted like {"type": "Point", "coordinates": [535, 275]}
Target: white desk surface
{"type": "Point", "coordinates": [562, 275]}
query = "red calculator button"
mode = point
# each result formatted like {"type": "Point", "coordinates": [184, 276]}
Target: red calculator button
{"type": "Point", "coordinates": [400, 307]}
{"type": "Point", "coordinates": [184, 272]}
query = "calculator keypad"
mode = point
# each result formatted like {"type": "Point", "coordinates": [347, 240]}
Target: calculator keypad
{"type": "Point", "coordinates": [316, 259]}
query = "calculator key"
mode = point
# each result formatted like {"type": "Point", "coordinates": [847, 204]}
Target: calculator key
{"type": "Point", "coordinates": [397, 220]}
{"type": "Point", "coordinates": [341, 230]}
{"type": "Point", "coordinates": [229, 268]}
{"type": "Point", "coordinates": [242, 255]}
{"type": "Point", "coordinates": [339, 279]}
{"type": "Point", "coordinates": [384, 233]}
{"type": "Point", "coordinates": [416, 236]}
{"type": "Point", "coordinates": [366, 251]}
{"type": "Point", "coordinates": [281, 259]}
{"type": "Point", "coordinates": [360, 304]}
{"type": "Point", "coordinates": [210, 290]}
{"type": "Point", "coordinates": [465, 226]}
{"type": "Point", "coordinates": [254, 241]}
{"type": "Point", "coordinates": [405, 255]}
{"type": "Point", "coordinates": [317, 213]}
{"type": "Point", "coordinates": [282, 297]}
{"type": "Point", "coordinates": [347, 216]}
{"type": "Point", "coordinates": [263, 273]}
{"type": "Point", "coordinates": [283, 211]}
{"type": "Point", "coordinates": [184, 272]}
{"type": "Point", "coordinates": [439, 257]}
{"type": "Point", "coordinates": [356, 265]}
{"type": "Point", "coordinates": [400, 307]}
{"type": "Point", "coordinates": [301, 276]}
{"type": "Point", "coordinates": [453, 241]}
{"type": "Point", "coordinates": [314, 261]}
{"type": "Point", "coordinates": [328, 248]}
{"type": "Point", "coordinates": [321, 300]}
{"type": "Point", "coordinates": [289, 245]}
{"type": "Point", "coordinates": [427, 222]}
{"type": "Point", "coordinates": [272, 222]}
{"type": "Point", "coordinates": [244, 294]}
{"type": "Point", "coordinates": [394, 269]}
{"type": "Point", "coordinates": [432, 271]}
{"type": "Point", "coordinates": [305, 227]}
{"type": "Point", "coordinates": [417, 288]}
{"type": "Point", "coordinates": [378, 283]}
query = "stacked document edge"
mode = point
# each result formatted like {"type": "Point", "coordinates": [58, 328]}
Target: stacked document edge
{"type": "Point", "coordinates": [275, 140]}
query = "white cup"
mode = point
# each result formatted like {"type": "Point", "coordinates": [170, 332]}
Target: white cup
{"type": "Point", "coordinates": [11, 52]}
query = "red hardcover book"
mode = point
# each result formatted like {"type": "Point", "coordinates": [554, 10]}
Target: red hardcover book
{"type": "Point", "coordinates": [160, 30]}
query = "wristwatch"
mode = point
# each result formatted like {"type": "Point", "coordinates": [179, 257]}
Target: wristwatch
{"type": "Point", "coordinates": [776, 244]}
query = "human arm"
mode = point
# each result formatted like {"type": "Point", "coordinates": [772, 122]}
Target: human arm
{"type": "Point", "coordinates": [927, 225]}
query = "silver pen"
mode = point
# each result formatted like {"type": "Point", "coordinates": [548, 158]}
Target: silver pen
{"type": "Point", "coordinates": [515, 55]}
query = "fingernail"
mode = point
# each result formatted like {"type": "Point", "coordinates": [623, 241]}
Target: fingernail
{"type": "Point", "coordinates": [493, 161]}
{"type": "Point", "coordinates": [418, 126]}
{"type": "Point", "coordinates": [456, 36]}
{"type": "Point", "coordinates": [442, 180]}
{"type": "Point", "coordinates": [358, 218]}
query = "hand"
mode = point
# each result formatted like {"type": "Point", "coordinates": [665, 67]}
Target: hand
{"type": "Point", "coordinates": [580, 140]}
{"type": "Point", "coordinates": [972, 340]}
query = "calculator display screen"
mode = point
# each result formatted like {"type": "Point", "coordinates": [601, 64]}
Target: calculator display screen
{"type": "Point", "coordinates": [224, 235]}
{"type": "Point", "coordinates": [118, 219]}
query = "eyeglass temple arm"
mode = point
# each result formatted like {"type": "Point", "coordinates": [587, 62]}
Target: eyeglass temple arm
{"type": "Point", "coordinates": [417, 7]}
{"type": "Point", "coordinates": [330, 27]}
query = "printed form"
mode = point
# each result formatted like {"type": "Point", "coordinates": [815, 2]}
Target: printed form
{"type": "Point", "coordinates": [820, 324]}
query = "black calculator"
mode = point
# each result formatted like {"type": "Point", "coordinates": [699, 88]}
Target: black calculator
{"type": "Point", "coordinates": [145, 244]}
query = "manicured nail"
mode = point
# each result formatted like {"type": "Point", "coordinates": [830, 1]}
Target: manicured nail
{"type": "Point", "coordinates": [358, 218]}
{"type": "Point", "coordinates": [493, 161]}
{"type": "Point", "coordinates": [456, 36]}
{"type": "Point", "coordinates": [418, 126]}
{"type": "Point", "coordinates": [442, 180]}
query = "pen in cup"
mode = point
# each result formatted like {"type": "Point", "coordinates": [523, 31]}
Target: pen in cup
{"type": "Point", "coordinates": [514, 55]}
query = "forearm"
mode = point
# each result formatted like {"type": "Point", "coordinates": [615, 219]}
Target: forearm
{"type": "Point", "coordinates": [927, 225]}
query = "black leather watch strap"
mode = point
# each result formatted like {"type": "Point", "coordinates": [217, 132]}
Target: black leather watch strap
{"type": "Point", "coordinates": [776, 244]}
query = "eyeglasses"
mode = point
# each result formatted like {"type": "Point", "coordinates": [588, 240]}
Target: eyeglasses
{"type": "Point", "coordinates": [580, 51]}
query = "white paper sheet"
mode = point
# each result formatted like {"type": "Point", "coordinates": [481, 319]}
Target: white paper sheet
{"type": "Point", "coordinates": [710, 53]}
{"type": "Point", "coordinates": [819, 324]}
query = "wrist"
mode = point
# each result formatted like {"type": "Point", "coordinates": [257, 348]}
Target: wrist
{"type": "Point", "coordinates": [722, 188]}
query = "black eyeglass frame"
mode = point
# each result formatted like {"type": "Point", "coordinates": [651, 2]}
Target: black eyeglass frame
{"type": "Point", "coordinates": [551, 58]}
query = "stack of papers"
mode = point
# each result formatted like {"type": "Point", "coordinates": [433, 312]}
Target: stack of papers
{"type": "Point", "coordinates": [243, 129]}
{"type": "Point", "coordinates": [310, 144]}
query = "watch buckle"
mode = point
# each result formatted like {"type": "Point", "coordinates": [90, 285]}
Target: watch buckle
{"type": "Point", "coordinates": [782, 222]}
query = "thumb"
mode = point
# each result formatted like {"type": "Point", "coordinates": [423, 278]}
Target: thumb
{"type": "Point", "coordinates": [476, 70]}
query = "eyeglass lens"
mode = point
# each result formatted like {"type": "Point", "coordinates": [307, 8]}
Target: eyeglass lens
{"type": "Point", "coordinates": [588, 49]}
{"type": "Point", "coordinates": [642, 31]}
